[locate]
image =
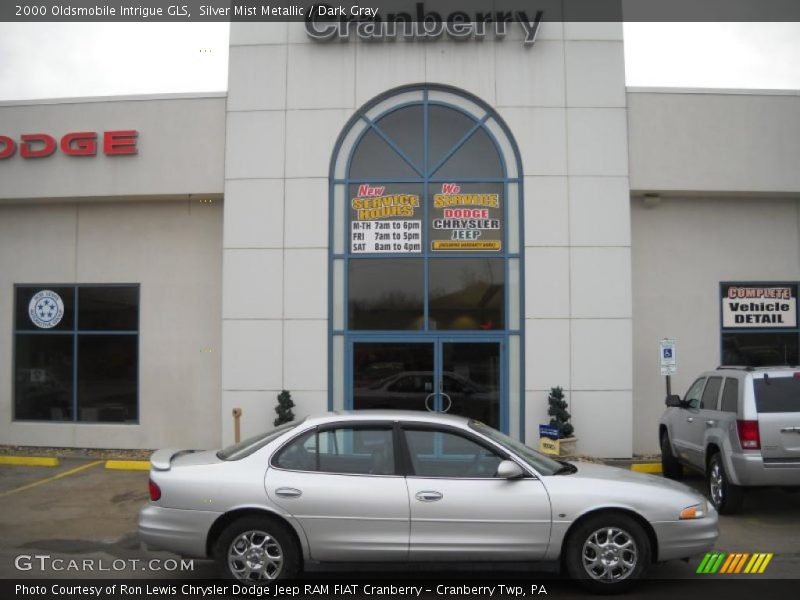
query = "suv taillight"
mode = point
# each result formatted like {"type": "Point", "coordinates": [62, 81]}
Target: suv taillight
{"type": "Point", "coordinates": [748, 434]}
{"type": "Point", "coordinates": [155, 491]}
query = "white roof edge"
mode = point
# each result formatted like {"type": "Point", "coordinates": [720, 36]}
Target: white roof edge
{"type": "Point", "coordinates": [716, 91]}
{"type": "Point", "coordinates": [126, 98]}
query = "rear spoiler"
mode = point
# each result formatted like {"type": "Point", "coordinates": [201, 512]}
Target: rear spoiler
{"type": "Point", "coordinates": [161, 460]}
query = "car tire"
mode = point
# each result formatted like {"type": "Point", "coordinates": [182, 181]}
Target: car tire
{"type": "Point", "coordinates": [726, 497]}
{"type": "Point", "coordinates": [256, 550]}
{"type": "Point", "coordinates": [670, 467]}
{"type": "Point", "coordinates": [607, 553]}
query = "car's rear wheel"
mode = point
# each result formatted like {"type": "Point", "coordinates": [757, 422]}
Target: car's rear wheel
{"type": "Point", "coordinates": [257, 549]}
{"type": "Point", "coordinates": [726, 497]}
{"type": "Point", "coordinates": [670, 466]}
{"type": "Point", "coordinates": [608, 552]}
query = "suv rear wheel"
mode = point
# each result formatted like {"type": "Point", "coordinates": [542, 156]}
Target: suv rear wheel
{"type": "Point", "coordinates": [670, 466]}
{"type": "Point", "coordinates": [726, 497]}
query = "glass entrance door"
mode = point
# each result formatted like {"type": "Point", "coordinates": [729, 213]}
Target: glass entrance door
{"type": "Point", "coordinates": [457, 376]}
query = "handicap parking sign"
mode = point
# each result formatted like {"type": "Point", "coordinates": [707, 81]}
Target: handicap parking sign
{"type": "Point", "coordinates": [668, 360]}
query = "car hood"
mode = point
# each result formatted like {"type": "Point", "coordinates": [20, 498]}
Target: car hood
{"type": "Point", "coordinates": [600, 486]}
{"type": "Point", "coordinates": [604, 472]}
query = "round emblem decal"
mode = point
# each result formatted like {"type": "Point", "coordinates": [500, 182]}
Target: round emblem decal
{"type": "Point", "coordinates": [46, 309]}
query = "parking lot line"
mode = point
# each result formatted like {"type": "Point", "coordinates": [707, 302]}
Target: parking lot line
{"type": "Point", "coordinates": [30, 461]}
{"type": "Point", "coordinates": [128, 465]}
{"type": "Point", "coordinates": [53, 478]}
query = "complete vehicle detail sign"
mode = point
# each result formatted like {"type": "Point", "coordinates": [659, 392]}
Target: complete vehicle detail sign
{"type": "Point", "coordinates": [767, 306]}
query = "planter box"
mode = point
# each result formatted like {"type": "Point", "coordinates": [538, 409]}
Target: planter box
{"type": "Point", "coordinates": [567, 446]}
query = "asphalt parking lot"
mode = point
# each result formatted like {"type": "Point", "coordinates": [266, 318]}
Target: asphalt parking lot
{"type": "Point", "coordinates": [81, 511]}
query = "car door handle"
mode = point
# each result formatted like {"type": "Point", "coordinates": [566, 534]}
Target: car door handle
{"type": "Point", "coordinates": [429, 496]}
{"type": "Point", "coordinates": [690, 419]}
{"type": "Point", "coordinates": [711, 423]}
{"type": "Point", "coordinates": [790, 430]}
{"type": "Point", "coordinates": [287, 492]}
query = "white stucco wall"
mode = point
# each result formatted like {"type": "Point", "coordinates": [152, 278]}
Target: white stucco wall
{"type": "Point", "coordinates": [564, 100]}
{"type": "Point", "coordinates": [172, 249]}
{"type": "Point", "coordinates": [682, 249]}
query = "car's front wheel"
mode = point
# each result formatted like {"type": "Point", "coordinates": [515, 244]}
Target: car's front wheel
{"type": "Point", "coordinates": [726, 496]}
{"type": "Point", "coordinates": [256, 549]}
{"type": "Point", "coordinates": [607, 552]}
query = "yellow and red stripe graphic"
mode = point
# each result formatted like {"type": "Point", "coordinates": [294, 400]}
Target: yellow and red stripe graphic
{"type": "Point", "coordinates": [735, 563]}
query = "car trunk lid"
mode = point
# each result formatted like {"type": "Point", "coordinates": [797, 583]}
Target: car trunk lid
{"type": "Point", "coordinates": [164, 460]}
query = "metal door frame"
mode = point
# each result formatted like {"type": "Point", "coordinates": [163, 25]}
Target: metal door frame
{"type": "Point", "coordinates": [437, 340]}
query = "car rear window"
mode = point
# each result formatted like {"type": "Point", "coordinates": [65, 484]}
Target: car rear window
{"type": "Point", "coordinates": [777, 394]}
{"type": "Point", "coordinates": [248, 446]}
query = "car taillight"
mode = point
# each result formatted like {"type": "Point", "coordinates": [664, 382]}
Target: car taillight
{"type": "Point", "coordinates": [155, 491]}
{"type": "Point", "coordinates": [748, 434]}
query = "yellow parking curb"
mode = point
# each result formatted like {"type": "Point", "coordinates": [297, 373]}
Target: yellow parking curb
{"type": "Point", "coordinates": [646, 467]}
{"type": "Point", "coordinates": [128, 465]}
{"type": "Point", "coordinates": [30, 461]}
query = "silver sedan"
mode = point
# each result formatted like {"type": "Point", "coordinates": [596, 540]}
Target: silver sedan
{"type": "Point", "coordinates": [413, 486]}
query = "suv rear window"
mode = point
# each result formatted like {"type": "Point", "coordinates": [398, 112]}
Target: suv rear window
{"type": "Point", "coordinates": [777, 394]}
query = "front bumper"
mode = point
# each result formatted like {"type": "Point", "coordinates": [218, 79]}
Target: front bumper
{"type": "Point", "coordinates": [684, 539]}
{"type": "Point", "coordinates": [183, 532]}
{"type": "Point", "coordinates": [751, 470]}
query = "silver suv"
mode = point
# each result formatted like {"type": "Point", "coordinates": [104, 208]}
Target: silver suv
{"type": "Point", "coordinates": [740, 426]}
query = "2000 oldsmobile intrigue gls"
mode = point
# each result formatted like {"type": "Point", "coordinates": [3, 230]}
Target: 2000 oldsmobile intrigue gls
{"type": "Point", "coordinates": [413, 486]}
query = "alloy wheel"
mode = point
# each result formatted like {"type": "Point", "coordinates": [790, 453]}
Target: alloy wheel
{"type": "Point", "coordinates": [255, 556]}
{"type": "Point", "coordinates": [609, 554]}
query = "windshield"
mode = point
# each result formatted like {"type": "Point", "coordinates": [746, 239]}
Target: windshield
{"type": "Point", "coordinates": [540, 462]}
{"type": "Point", "coordinates": [251, 444]}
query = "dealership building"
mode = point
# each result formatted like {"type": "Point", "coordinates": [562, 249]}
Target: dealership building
{"type": "Point", "coordinates": [457, 224]}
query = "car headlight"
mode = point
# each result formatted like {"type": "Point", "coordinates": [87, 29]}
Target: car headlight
{"type": "Point", "coordinates": [696, 511]}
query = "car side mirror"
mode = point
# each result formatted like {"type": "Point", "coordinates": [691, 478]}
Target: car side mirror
{"type": "Point", "coordinates": [508, 469]}
{"type": "Point", "coordinates": [674, 400]}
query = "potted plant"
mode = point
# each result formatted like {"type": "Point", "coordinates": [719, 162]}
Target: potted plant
{"type": "Point", "coordinates": [560, 419]}
{"type": "Point", "coordinates": [284, 409]}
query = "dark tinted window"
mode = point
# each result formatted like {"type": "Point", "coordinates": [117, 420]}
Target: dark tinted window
{"type": "Point", "coordinates": [777, 394]}
{"type": "Point", "coordinates": [43, 377]}
{"type": "Point", "coordinates": [107, 375]}
{"type": "Point", "coordinates": [730, 395]}
{"type": "Point", "coordinates": [373, 158]}
{"type": "Point", "coordinates": [404, 127]}
{"type": "Point", "coordinates": [467, 294]}
{"type": "Point", "coordinates": [446, 127]}
{"type": "Point", "coordinates": [759, 349]}
{"type": "Point", "coordinates": [101, 348]}
{"type": "Point", "coordinates": [477, 156]}
{"type": "Point", "coordinates": [108, 308]}
{"type": "Point", "coordinates": [386, 294]}
{"type": "Point", "coordinates": [445, 454]}
{"type": "Point", "coordinates": [711, 393]}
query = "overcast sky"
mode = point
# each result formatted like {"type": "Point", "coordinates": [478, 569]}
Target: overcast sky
{"type": "Point", "coordinates": [63, 60]}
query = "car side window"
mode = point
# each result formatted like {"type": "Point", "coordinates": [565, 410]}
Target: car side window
{"type": "Point", "coordinates": [436, 453]}
{"type": "Point", "coordinates": [344, 450]}
{"type": "Point", "coordinates": [730, 396]}
{"type": "Point", "coordinates": [711, 393]}
{"type": "Point", "coordinates": [692, 398]}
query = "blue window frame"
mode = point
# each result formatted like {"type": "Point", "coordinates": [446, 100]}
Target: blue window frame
{"type": "Point", "coordinates": [76, 353]}
{"type": "Point", "coordinates": [405, 147]}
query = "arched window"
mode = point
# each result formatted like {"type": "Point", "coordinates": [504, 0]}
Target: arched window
{"type": "Point", "coordinates": [426, 259]}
